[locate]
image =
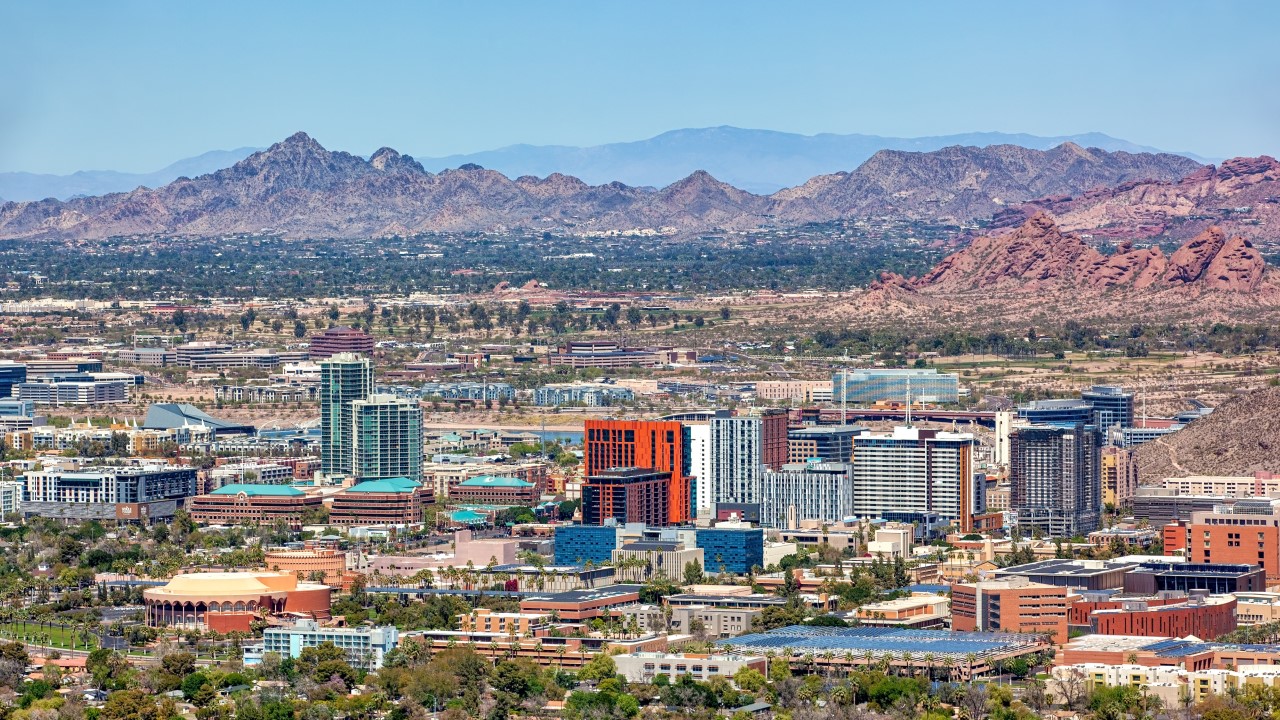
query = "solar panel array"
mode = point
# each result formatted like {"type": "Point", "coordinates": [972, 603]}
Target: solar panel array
{"type": "Point", "coordinates": [881, 642]}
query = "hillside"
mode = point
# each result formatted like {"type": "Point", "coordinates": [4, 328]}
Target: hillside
{"type": "Point", "coordinates": [299, 188]}
{"type": "Point", "coordinates": [1242, 436]}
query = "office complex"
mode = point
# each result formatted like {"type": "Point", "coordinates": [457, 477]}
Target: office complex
{"type": "Point", "coordinates": [338, 340]}
{"type": "Point", "coordinates": [139, 494]}
{"type": "Point", "coordinates": [253, 504]}
{"type": "Point", "coordinates": [11, 374]}
{"type": "Point", "coordinates": [916, 470]}
{"type": "Point", "coordinates": [578, 544]}
{"type": "Point", "coordinates": [1058, 413]}
{"type": "Point", "coordinates": [740, 450]}
{"type": "Point", "coordinates": [1012, 605]}
{"type": "Point", "coordinates": [832, 444]}
{"type": "Point", "coordinates": [806, 491]}
{"type": "Point", "coordinates": [365, 647]}
{"type": "Point", "coordinates": [389, 501]}
{"type": "Point", "coordinates": [1055, 484]}
{"type": "Point", "coordinates": [1112, 406]}
{"type": "Point", "coordinates": [1248, 532]}
{"type": "Point", "coordinates": [734, 550]}
{"type": "Point", "coordinates": [496, 490]}
{"type": "Point", "coordinates": [387, 438]}
{"type": "Point", "coordinates": [655, 445]}
{"type": "Point", "coordinates": [867, 386]}
{"type": "Point", "coordinates": [628, 495]}
{"type": "Point", "coordinates": [344, 378]}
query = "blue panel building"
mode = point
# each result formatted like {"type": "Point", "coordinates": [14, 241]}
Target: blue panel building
{"type": "Point", "coordinates": [576, 544]}
{"type": "Point", "coordinates": [11, 374]}
{"type": "Point", "coordinates": [1058, 413]}
{"type": "Point", "coordinates": [736, 550]}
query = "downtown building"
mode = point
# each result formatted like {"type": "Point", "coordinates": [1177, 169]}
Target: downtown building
{"type": "Point", "coordinates": [1055, 479]}
{"type": "Point", "coordinates": [917, 471]}
{"type": "Point", "coordinates": [655, 445]}
{"type": "Point", "coordinates": [363, 434]}
{"type": "Point", "coordinates": [739, 451]}
{"type": "Point", "coordinates": [821, 491]}
{"type": "Point", "coordinates": [867, 386]}
{"type": "Point", "coordinates": [123, 494]}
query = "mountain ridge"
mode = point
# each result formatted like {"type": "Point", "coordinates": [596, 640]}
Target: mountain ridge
{"type": "Point", "coordinates": [759, 161]}
{"type": "Point", "coordinates": [302, 189]}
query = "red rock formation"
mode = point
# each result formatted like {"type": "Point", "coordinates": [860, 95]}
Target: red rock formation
{"type": "Point", "coordinates": [1188, 263]}
{"type": "Point", "coordinates": [1034, 255]}
{"type": "Point", "coordinates": [1139, 268]}
{"type": "Point", "coordinates": [1237, 267]}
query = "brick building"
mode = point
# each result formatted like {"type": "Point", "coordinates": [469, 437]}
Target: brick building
{"type": "Point", "coordinates": [1247, 533]}
{"type": "Point", "coordinates": [240, 504]}
{"type": "Point", "coordinates": [494, 490]}
{"type": "Point", "coordinates": [341, 339]}
{"type": "Point", "coordinates": [1012, 605]}
{"type": "Point", "coordinates": [1204, 616]}
{"type": "Point", "coordinates": [628, 495]}
{"type": "Point", "coordinates": [649, 444]}
{"type": "Point", "coordinates": [393, 501]}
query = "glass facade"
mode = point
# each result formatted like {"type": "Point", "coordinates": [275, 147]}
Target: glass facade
{"type": "Point", "coordinates": [344, 378]}
{"type": "Point", "coordinates": [875, 385]}
{"type": "Point", "coordinates": [387, 438]}
{"type": "Point", "coordinates": [732, 550]}
{"type": "Point", "coordinates": [576, 544]}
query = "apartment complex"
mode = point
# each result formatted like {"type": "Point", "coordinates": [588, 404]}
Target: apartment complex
{"type": "Point", "coordinates": [1055, 484]}
{"type": "Point", "coordinates": [627, 495]}
{"type": "Point", "coordinates": [387, 438]}
{"type": "Point", "coordinates": [821, 491]}
{"type": "Point", "coordinates": [651, 444]}
{"type": "Point", "coordinates": [137, 494]}
{"type": "Point", "coordinates": [916, 470]}
{"type": "Point", "coordinates": [740, 450]}
{"type": "Point", "coordinates": [344, 378]}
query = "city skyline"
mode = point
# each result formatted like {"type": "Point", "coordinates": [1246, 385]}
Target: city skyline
{"type": "Point", "coordinates": [135, 86]}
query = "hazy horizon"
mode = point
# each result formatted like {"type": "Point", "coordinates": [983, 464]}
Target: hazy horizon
{"type": "Point", "coordinates": [135, 86]}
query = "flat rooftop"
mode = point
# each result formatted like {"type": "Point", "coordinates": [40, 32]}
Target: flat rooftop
{"type": "Point", "coordinates": [1059, 567]}
{"type": "Point", "coordinates": [882, 642]}
{"type": "Point", "coordinates": [587, 594]}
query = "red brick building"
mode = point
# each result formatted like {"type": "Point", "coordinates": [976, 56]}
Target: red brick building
{"type": "Point", "coordinates": [1207, 618]}
{"type": "Point", "coordinates": [392, 501]}
{"type": "Point", "coordinates": [1248, 535]}
{"type": "Point", "coordinates": [649, 444]}
{"type": "Point", "coordinates": [493, 490]}
{"type": "Point", "coordinates": [1012, 605]}
{"type": "Point", "coordinates": [247, 504]}
{"type": "Point", "coordinates": [339, 340]}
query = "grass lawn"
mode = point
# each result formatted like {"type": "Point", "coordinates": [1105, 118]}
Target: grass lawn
{"type": "Point", "coordinates": [52, 636]}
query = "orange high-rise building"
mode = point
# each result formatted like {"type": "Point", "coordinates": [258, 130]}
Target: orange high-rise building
{"type": "Point", "coordinates": [651, 444]}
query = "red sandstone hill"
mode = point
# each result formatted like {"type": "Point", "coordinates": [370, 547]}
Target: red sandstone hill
{"type": "Point", "coordinates": [1040, 255]}
{"type": "Point", "coordinates": [1241, 196]}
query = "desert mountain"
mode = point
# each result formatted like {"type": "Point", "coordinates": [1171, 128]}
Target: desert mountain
{"type": "Point", "coordinates": [1239, 438]}
{"type": "Point", "coordinates": [1039, 255]}
{"type": "Point", "coordinates": [301, 189]}
{"type": "Point", "coordinates": [1241, 196]}
{"type": "Point", "coordinates": [759, 161]}
{"type": "Point", "coordinates": [962, 183]}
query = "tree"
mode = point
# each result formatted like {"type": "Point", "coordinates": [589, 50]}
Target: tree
{"type": "Point", "coordinates": [693, 573]}
{"type": "Point", "coordinates": [299, 329]}
{"type": "Point", "coordinates": [724, 312]}
{"type": "Point", "coordinates": [601, 667]}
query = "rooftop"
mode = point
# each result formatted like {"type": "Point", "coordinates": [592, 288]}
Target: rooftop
{"type": "Point", "coordinates": [385, 485]}
{"type": "Point", "coordinates": [882, 641]}
{"type": "Point", "coordinates": [494, 481]}
{"type": "Point", "coordinates": [1073, 568]}
{"type": "Point", "coordinates": [258, 490]}
{"type": "Point", "coordinates": [587, 595]}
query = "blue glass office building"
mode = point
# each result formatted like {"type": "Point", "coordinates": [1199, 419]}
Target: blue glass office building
{"type": "Point", "coordinates": [875, 385]}
{"type": "Point", "coordinates": [736, 550]}
{"type": "Point", "coordinates": [11, 374]}
{"type": "Point", "coordinates": [576, 544]}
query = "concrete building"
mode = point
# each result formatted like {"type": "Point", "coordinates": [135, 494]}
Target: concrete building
{"type": "Point", "coordinates": [698, 436]}
{"type": "Point", "coordinates": [1012, 605]}
{"type": "Point", "coordinates": [661, 559]}
{"type": "Point", "coordinates": [73, 392]}
{"type": "Point", "coordinates": [226, 601]}
{"type": "Point", "coordinates": [708, 620]}
{"type": "Point", "coordinates": [918, 610]}
{"type": "Point", "coordinates": [1112, 406]}
{"type": "Point", "coordinates": [1205, 616]}
{"type": "Point", "coordinates": [365, 647]}
{"type": "Point", "coordinates": [10, 499]}
{"type": "Point", "coordinates": [822, 491]}
{"type": "Point", "coordinates": [1248, 532]}
{"type": "Point", "coordinates": [496, 490]}
{"type": "Point", "coordinates": [1055, 480]}
{"type": "Point", "coordinates": [1119, 477]}
{"type": "Point", "coordinates": [644, 667]}
{"type": "Point", "coordinates": [916, 470]}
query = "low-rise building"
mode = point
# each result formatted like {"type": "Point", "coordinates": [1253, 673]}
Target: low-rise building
{"type": "Point", "coordinates": [495, 490]}
{"type": "Point", "coordinates": [644, 667]}
{"type": "Point", "coordinates": [123, 494]}
{"type": "Point", "coordinates": [919, 610]}
{"type": "Point", "coordinates": [249, 504]}
{"type": "Point", "coordinates": [392, 501]}
{"type": "Point", "coordinates": [365, 647]}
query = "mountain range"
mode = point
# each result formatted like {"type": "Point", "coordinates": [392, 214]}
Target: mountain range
{"type": "Point", "coordinates": [759, 161]}
{"type": "Point", "coordinates": [299, 188]}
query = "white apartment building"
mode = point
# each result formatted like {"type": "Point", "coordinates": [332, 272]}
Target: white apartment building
{"type": "Point", "coordinates": [915, 470]}
{"type": "Point", "coordinates": [806, 491]}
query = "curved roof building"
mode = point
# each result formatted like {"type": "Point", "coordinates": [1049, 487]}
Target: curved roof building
{"type": "Point", "coordinates": [227, 601]}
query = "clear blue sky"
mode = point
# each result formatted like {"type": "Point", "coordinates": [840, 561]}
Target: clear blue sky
{"type": "Point", "coordinates": [136, 85]}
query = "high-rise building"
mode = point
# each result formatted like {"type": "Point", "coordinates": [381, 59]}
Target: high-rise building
{"type": "Point", "coordinates": [628, 495]}
{"type": "Point", "coordinates": [1112, 406]}
{"type": "Point", "coordinates": [1060, 413]}
{"type": "Point", "coordinates": [806, 491]}
{"type": "Point", "coordinates": [699, 439]}
{"type": "Point", "coordinates": [1004, 425]}
{"type": "Point", "coordinates": [344, 378]}
{"type": "Point", "coordinates": [11, 373]}
{"type": "Point", "coordinates": [338, 340]}
{"type": "Point", "coordinates": [833, 443]}
{"type": "Point", "coordinates": [741, 449]}
{"type": "Point", "coordinates": [1119, 477]}
{"type": "Point", "coordinates": [650, 444]}
{"type": "Point", "coordinates": [1055, 483]}
{"type": "Point", "coordinates": [881, 385]}
{"type": "Point", "coordinates": [916, 470]}
{"type": "Point", "coordinates": [387, 438]}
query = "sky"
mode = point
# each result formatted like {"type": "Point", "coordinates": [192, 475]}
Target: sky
{"type": "Point", "coordinates": [134, 86]}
